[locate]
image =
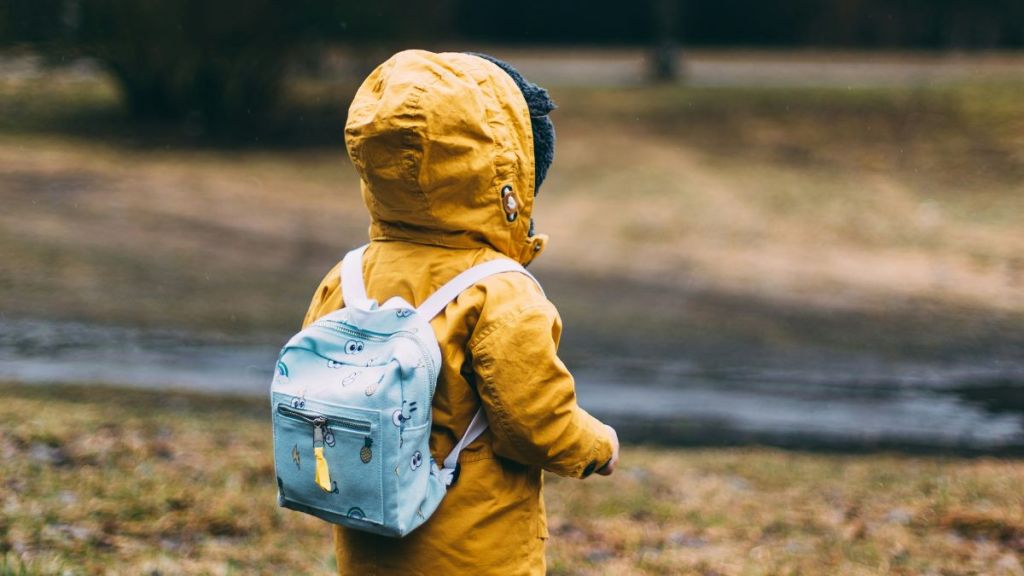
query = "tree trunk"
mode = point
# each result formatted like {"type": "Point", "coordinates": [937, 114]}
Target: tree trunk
{"type": "Point", "coordinates": [665, 53]}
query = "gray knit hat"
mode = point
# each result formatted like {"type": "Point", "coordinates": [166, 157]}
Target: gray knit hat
{"type": "Point", "coordinates": [540, 104]}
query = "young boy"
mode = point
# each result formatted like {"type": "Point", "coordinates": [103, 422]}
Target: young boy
{"type": "Point", "coordinates": [451, 149]}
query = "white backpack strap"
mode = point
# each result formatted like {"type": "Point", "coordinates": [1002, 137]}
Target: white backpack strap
{"type": "Point", "coordinates": [476, 427]}
{"type": "Point", "coordinates": [353, 288]}
{"type": "Point", "coordinates": [440, 299]}
{"type": "Point", "coordinates": [432, 307]}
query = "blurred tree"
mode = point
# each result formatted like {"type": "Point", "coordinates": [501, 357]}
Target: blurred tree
{"type": "Point", "coordinates": [30, 21]}
{"type": "Point", "coordinates": [665, 59]}
{"type": "Point", "coordinates": [219, 63]}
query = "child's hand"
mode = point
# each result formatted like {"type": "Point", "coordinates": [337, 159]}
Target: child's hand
{"type": "Point", "coordinates": [608, 468]}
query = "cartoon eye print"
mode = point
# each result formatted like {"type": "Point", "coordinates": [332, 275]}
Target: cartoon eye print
{"type": "Point", "coordinates": [328, 437]}
{"type": "Point", "coordinates": [416, 461]}
{"type": "Point", "coordinates": [399, 417]}
{"type": "Point", "coordinates": [403, 313]}
{"type": "Point", "coordinates": [350, 378]}
{"type": "Point", "coordinates": [299, 401]}
{"type": "Point", "coordinates": [334, 364]}
{"type": "Point", "coordinates": [356, 513]}
{"type": "Point", "coordinates": [354, 347]}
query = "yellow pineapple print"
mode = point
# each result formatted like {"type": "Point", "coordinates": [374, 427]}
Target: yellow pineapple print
{"type": "Point", "coordinates": [366, 452]}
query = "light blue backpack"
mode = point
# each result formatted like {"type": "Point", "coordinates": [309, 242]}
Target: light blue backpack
{"type": "Point", "coordinates": [351, 401]}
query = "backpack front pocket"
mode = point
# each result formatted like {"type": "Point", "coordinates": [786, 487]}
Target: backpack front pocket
{"type": "Point", "coordinates": [327, 461]}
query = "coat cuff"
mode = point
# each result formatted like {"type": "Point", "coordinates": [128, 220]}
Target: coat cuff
{"type": "Point", "coordinates": [600, 453]}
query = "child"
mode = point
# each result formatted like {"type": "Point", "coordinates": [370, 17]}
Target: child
{"type": "Point", "coordinates": [451, 149]}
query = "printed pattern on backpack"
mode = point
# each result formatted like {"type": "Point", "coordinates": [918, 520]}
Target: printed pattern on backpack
{"type": "Point", "coordinates": [350, 405]}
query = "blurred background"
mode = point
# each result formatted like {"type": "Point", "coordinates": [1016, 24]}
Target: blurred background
{"type": "Point", "coordinates": [787, 242]}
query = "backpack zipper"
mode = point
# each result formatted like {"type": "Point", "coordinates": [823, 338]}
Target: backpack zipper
{"type": "Point", "coordinates": [320, 421]}
{"type": "Point", "coordinates": [344, 329]}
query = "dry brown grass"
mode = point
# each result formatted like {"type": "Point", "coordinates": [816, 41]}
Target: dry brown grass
{"type": "Point", "coordinates": [848, 200]}
{"type": "Point", "coordinates": [852, 200]}
{"type": "Point", "coordinates": [756, 511]}
{"type": "Point", "coordinates": [105, 481]}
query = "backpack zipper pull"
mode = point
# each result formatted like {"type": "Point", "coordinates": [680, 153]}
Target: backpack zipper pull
{"type": "Point", "coordinates": [323, 474]}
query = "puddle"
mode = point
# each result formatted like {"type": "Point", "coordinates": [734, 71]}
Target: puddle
{"type": "Point", "coordinates": [853, 402]}
{"type": "Point", "coordinates": [47, 352]}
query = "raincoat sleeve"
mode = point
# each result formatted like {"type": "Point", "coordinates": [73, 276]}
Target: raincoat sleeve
{"type": "Point", "coordinates": [529, 395]}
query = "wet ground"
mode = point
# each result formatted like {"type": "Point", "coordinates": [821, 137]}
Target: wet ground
{"type": "Point", "coordinates": [810, 400]}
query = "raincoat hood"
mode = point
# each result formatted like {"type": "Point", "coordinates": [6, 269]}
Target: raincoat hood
{"type": "Point", "coordinates": [444, 148]}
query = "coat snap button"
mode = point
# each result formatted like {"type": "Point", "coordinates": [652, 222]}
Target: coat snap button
{"type": "Point", "coordinates": [509, 203]}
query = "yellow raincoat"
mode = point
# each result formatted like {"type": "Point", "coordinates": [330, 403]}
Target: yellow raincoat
{"type": "Point", "coordinates": [441, 141]}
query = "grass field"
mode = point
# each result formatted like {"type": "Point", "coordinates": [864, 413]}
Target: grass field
{"type": "Point", "coordinates": [885, 219]}
{"type": "Point", "coordinates": [105, 481]}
